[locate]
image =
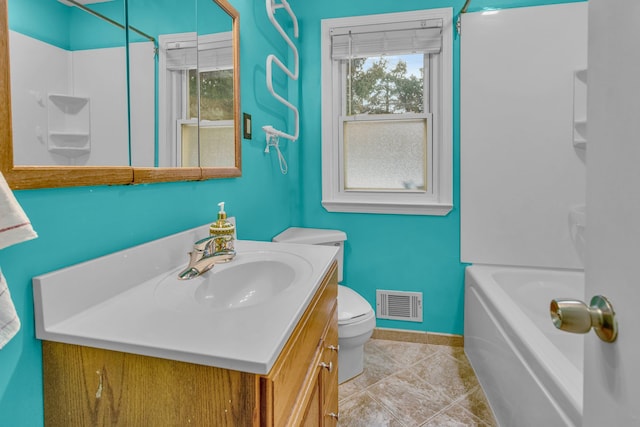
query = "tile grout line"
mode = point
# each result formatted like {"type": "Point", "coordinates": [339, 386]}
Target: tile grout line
{"type": "Point", "coordinates": [390, 410]}
{"type": "Point", "coordinates": [394, 373]}
{"type": "Point", "coordinates": [450, 354]}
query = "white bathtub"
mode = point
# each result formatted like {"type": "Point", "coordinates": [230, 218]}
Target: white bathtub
{"type": "Point", "coordinates": [530, 371]}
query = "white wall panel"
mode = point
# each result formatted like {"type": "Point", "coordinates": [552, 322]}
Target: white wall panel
{"type": "Point", "coordinates": [37, 69]}
{"type": "Point", "coordinates": [142, 92]}
{"type": "Point", "coordinates": [520, 174]}
{"type": "Point", "coordinates": [101, 74]}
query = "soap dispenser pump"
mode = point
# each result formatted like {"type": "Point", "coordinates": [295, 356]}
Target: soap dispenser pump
{"type": "Point", "coordinates": [223, 231]}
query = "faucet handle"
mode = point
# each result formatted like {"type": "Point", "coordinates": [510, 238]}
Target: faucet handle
{"type": "Point", "coordinates": [214, 246]}
{"type": "Point", "coordinates": [202, 244]}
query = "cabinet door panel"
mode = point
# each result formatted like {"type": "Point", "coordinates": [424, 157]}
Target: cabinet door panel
{"type": "Point", "coordinates": [298, 362]}
{"type": "Point", "coordinates": [86, 386]}
{"type": "Point", "coordinates": [313, 414]}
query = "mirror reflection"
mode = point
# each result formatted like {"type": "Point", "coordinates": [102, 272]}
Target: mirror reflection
{"type": "Point", "coordinates": [68, 68]}
{"type": "Point", "coordinates": [86, 92]}
{"type": "Point", "coordinates": [214, 79]}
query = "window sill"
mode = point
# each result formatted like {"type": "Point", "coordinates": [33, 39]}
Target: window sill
{"type": "Point", "coordinates": [435, 209]}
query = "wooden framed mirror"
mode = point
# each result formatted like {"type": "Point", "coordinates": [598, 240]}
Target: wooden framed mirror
{"type": "Point", "coordinates": [26, 176]}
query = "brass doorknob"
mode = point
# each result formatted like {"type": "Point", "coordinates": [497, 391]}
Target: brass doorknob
{"type": "Point", "coordinates": [577, 317]}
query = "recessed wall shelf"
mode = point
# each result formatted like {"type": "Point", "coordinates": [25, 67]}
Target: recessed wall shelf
{"type": "Point", "coordinates": [69, 125]}
{"type": "Point", "coordinates": [577, 213]}
{"type": "Point", "coordinates": [578, 228]}
{"type": "Point", "coordinates": [579, 134]}
{"type": "Point", "coordinates": [69, 144]}
{"type": "Point", "coordinates": [69, 104]}
{"type": "Point", "coordinates": [580, 109]}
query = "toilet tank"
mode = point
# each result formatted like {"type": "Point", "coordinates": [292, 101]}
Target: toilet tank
{"type": "Point", "coordinates": [316, 236]}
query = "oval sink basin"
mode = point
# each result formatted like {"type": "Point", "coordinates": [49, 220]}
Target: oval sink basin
{"type": "Point", "coordinates": [246, 284]}
{"type": "Point", "coordinates": [250, 279]}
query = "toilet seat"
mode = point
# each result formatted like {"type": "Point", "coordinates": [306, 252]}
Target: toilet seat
{"type": "Point", "coordinates": [352, 308]}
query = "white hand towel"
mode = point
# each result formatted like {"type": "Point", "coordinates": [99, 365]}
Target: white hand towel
{"type": "Point", "coordinates": [15, 227]}
{"type": "Point", "coordinates": [9, 321]}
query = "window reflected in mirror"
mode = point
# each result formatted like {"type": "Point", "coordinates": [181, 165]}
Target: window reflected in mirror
{"type": "Point", "coordinates": [198, 100]}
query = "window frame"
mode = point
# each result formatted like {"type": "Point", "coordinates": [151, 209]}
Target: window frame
{"type": "Point", "coordinates": [438, 197]}
{"type": "Point", "coordinates": [174, 94]}
{"type": "Point", "coordinates": [183, 92]}
{"type": "Point", "coordinates": [427, 117]}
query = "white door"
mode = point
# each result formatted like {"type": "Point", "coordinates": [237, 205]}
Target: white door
{"type": "Point", "coordinates": [612, 371]}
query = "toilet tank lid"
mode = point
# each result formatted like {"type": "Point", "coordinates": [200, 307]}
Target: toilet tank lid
{"type": "Point", "coordinates": [351, 304]}
{"type": "Point", "coordinates": [310, 236]}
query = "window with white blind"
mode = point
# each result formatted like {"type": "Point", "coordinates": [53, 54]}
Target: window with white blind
{"type": "Point", "coordinates": [387, 113]}
{"type": "Point", "coordinates": [196, 100]}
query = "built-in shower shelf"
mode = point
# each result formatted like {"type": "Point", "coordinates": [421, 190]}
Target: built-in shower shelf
{"type": "Point", "coordinates": [69, 152]}
{"type": "Point", "coordinates": [579, 134]}
{"type": "Point", "coordinates": [69, 119]}
{"type": "Point", "coordinates": [578, 228]}
{"type": "Point", "coordinates": [578, 215]}
{"type": "Point", "coordinates": [69, 144]}
{"type": "Point", "coordinates": [69, 104]}
{"type": "Point", "coordinates": [580, 109]}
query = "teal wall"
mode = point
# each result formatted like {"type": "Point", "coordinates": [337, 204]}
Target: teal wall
{"type": "Point", "coordinates": [77, 224]}
{"type": "Point", "coordinates": [43, 20]}
{"type": "Point", "coordinates": [394, 252]}
{"type": "Point", "coordinates": [383, 251]}
{"type": "Point", "coordinates": [73, 29]}
{"type": "Point", "coordinates": [68, 27]}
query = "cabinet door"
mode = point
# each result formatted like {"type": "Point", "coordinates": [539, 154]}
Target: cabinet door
{"type": "Point", "coordinates": [86, 386]}
{"type": "Point", "coordinates": [313, 413]}
{"type": "Point", "coordinates": [322, 409]}
{"type": "Point", "coordinates": [288, 387]}
{"type": "Point", "coordinates": [329, 374]}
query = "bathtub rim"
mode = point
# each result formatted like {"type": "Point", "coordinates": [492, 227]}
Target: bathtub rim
{"type": "Point", "coordinates": [560, 377]}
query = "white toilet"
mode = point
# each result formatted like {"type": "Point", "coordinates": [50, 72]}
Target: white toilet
{"type": "Point", "coordinates": [356, 318]}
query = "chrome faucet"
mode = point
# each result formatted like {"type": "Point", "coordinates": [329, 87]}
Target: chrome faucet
{"type": "Point", "coordinates": [204, 256]}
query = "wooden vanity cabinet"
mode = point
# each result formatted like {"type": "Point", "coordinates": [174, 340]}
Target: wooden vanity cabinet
{"type": "Point", "coordinates": [86, 386]}
{"type": "Point", "coordinates": [323, 407]}
{"type": "Point", "coordinates": [300, 387]}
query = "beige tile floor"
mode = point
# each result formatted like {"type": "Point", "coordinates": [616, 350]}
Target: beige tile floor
{"type": "Point", "coordinates": [407, 384]}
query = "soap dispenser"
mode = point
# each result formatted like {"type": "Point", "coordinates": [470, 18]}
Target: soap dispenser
{"type": "Point", "coordinates": [223, 231]}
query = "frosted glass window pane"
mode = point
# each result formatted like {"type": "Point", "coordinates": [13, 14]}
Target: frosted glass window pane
{"type": "Point", "coordinates": [385, 155]}
{"type": "Point", "coordinates": [217, 147]}
{"type": "Point", "coordinates": [189, 145]}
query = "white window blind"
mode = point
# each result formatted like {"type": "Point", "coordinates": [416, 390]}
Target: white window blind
{"type": "Point", "coordinates": [215, 54]}
{"type": "Point", "coordinates": [423, 36]}
{"type": "Point", "coordinates": [189, 54]}
{"type": "Point", "coordinates": [182, 55]}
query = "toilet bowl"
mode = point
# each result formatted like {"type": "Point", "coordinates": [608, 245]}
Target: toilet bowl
{"type": "Point", "coordinates": [356, 321]}
{"type": "Point", "coordinates": [356, 318]}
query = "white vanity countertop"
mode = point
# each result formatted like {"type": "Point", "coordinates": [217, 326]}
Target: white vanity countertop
{"type": "Point", "coordinates": [112, 303]}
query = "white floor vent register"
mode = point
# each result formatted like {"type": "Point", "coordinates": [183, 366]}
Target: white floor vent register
{"type": "Point", "coordinates": [398, 305]}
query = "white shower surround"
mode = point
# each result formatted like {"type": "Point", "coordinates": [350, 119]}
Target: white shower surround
{"type": "Point", "coordinates": [39, 69]}
{"type": "Point", "coordinates": [521, 177]}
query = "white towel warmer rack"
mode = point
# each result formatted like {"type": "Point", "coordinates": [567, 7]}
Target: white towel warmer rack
{"type": "Point", "coordinates": [272, 133]}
